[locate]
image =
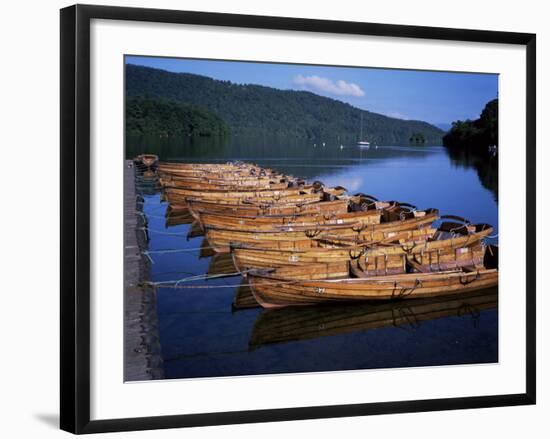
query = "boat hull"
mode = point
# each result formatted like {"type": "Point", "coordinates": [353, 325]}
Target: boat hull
{"type": "Point", "coordinates": [208, 185]}
{"type": "Point", "coordinates": [146, 161]}
{"type": "Point", "coordinates": [270, 223]}
{"type": "Point", "coordinates": [243, 199]}
{"type": "Point", "coordinates": [196, 207]}
{"type": "Point", "coordinates": [411, 229]}
{"type": "Point", "coordinates": [321, 285]}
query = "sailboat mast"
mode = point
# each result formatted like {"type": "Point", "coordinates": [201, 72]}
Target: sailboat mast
{"type": "Point", "coordinates": [361, 136]}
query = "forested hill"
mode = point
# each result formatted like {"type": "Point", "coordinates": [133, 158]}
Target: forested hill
{"type": "Point", "coordinates": [167, 118]}
{"type": "Point", "coordinates": [259, 110]}
{"type": "Point", "coordinates": [475, 135]}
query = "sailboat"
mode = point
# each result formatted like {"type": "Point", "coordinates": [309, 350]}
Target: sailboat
{"type": "Point", "coordinates": [362, 143]}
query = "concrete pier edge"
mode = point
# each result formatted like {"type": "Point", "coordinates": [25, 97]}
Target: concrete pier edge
{"type": "Point", "coordinates": [142, 353]}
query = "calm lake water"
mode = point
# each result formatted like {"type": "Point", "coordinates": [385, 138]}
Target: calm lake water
{"type": "Point", "coordinates": [201, 333]}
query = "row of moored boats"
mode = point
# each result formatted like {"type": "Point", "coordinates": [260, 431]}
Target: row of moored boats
{"type": "Point", "coordinates": [303, 243]}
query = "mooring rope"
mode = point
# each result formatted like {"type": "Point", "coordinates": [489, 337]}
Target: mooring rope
{"type": "Point", "coordinates": [198, 277]}
{"type": "Point", "coordinates": [176, 250]}
{"type": "Point", "coordinates": [209, 287]}
{"type": "Point", "coordinates": [164, 217]}
{"type": "Point", "coordinates": [148, 253]}
{"type": "Point", "coordinates": [161, 232]}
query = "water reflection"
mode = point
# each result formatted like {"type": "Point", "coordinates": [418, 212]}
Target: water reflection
{"type": "Point", "coordinates": [303, 323]}
{"type": "Point", "coordinates": [288, 155]}
{"type": "Point", "coordinates": [484, 162]}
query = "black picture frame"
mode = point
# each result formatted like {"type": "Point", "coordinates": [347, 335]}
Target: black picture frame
{"type": "Point", "coordinates": [75, 217]}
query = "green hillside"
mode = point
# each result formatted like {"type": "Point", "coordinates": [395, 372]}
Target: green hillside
{"type": "Point", "coordinates": [250, 110]}
{"type": "Point", "coordinates": [167, 118]}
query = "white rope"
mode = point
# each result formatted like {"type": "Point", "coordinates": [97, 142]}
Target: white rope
{"type": "Point", "coordinates": [161, 232]}
{"type": "Point", "coordinates": [173, 250]}
{"type": "Point", "coordinates": [164, 217]}
{"type": "Point", "coordinates": [208, 287]}
{"type": "Point", "coordinates": [200, 277]}
{"type": "Point", "coordinates": [148, 253]}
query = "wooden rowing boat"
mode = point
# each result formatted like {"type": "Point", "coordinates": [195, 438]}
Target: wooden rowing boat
{"type": "Point", "coordinates": [335, 191]}
{"type": "Point", "coordinates": [176, 195]}
{"type": "Point", "coordinates": [227, 180]}
{"type": "Point", "coordinates": [296, 253]}
{"type": "Point", "coordinates": [329, 209]}
{"type": "Point", "coordinates": [305, 323]}
{"type": "Point", "coordinates": [211, 174]}
{"type": "Point", "coordinates": [261, 201]}
{"type": "Point", "coordinates": [364, 260]}
{"type": "Point", "coordinates": [215, 194]}
{"type": "Point", "coordinates": [222, 242]}
{"type": "Point", "coordinates": [234, 222]}
{"type": "Point", "coordinates": [331, 282]}
{"type": "Point", "coordinates": [435, 250]}
{"type": "Point", "coordinates": [167, 166]}
{"type": "Point", "coordinates": [377, 262]}
{"type": "Point", "coordinates": [214, 171]}
{"type": "Point", "coordinates": [146, 160]}
{"type": "Point", "coordinates": [444, 251]}
{"type": "Point", "coordinates": [196, 207]}
{"type": "Point", "coordinates": [372, 214]}
{"type": "Point", "coordinates": [221, 239]}
{"type": "Point", "coordinates": [225, 177]}
{"type": "Point", "coordinates": [226, 186]}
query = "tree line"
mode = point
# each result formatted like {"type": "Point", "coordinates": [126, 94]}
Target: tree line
{"type": "Point", "coordinates": [475, 135]}
{"type": "Point", "coordinates": [165, 118]}
{"type": "Point", "coordinates": [254, 110]}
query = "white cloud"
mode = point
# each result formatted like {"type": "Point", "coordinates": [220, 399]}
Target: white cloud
{"type": "Point", "coordinates": [397, 115]}
{"type": "Point", "coordinates": [325, 85]}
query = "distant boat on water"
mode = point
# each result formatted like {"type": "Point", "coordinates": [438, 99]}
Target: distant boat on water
{"type": "Point", "coordinates": [362, 143]}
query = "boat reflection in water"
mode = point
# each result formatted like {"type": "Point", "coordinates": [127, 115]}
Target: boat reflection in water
{"type": "Point", "coordinates": [220, 264]}
{"type": "Point", "coordinates": [243, 298]}
{"type": "Point", "coordinates": [177, 218]}
{"type": "Point", "coordinates": [147, 182]}
{"type": "Point", "coordinates": [195, 230]}
{"type": "Point", "coordinates": [310, 322]}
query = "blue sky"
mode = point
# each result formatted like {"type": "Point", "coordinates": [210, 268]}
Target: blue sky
{"type": "Point", "coordinates": [435, 97]}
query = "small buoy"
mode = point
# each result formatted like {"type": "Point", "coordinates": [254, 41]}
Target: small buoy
{"type": "Point", "coordinates": [323, 143]}
{"type": "Point", "coordinates": [341, 146]}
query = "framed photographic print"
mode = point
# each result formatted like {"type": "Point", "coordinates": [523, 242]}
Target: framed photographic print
{"type": "Point", "coordinates": [268, 218]}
